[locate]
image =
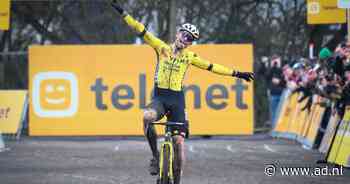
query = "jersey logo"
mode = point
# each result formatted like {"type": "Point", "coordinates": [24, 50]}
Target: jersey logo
{"type": "Point", "coordinates": [183, 60]}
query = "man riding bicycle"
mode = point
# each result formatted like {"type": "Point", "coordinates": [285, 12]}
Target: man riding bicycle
{"type": "Point", "coordinates": [172, 63]}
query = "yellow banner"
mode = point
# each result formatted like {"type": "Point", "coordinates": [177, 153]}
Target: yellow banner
{"type": "Point", "coordinates": [347, 114]}
{"type": "Point", "coordinates": [309, 121]}
{"type": "Point", "coordinates": [4, 14]}
{"type": "Point", "coordinates": [287, 112]}
{"type": "Point", "coordinates": [338, 141]}
{"type": "Point", "coordinates": [330, 132]}
{"type": "Point", "coordinates": [298, 117]}
{"type": "Point", "coordinates": [101, 90]}
{"type": "Point", "coordinates": [315, 123]}
{"type": "Point", "coordinates": [340, 150]}
{"type": "Point", "coordinates": [11, 110]}
{"type": "Point", "coordinates": [343, 157]}
{"type": "Point", "coordinates": [324, 12]}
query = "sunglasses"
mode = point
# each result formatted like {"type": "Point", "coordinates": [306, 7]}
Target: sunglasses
{"type": "Point", "coordinates": [187, 37]}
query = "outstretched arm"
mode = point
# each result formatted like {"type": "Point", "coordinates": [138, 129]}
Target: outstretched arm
{"type": "Point", "coordinates": [138, 27]}
{"type": "Point", "coordinates": [219, 69]}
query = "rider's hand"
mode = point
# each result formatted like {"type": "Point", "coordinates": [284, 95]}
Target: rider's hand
{"type": "Point", "coordinates": [247, 76]}
{"type": "Point", "coordinates": [117, 7]}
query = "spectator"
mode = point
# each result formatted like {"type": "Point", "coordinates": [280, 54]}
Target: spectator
{"type": "Point", "coordinates": [276, 84]}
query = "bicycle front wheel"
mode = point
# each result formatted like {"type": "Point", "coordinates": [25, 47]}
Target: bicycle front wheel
{"type": "Point", "coordinates": [165, 162]}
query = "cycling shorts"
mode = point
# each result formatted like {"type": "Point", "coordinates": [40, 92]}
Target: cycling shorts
{"type": "Point", "coordinates": [172, 105]}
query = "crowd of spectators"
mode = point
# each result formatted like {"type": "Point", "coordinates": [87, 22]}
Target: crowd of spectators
{"type": "Point", "coordinates": [327, 76]}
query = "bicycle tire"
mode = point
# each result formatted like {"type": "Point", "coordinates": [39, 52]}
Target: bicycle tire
{"type": "Point", "coordinates": [177, 166]}
{"type": "Point", "coordinates": [165, 165]}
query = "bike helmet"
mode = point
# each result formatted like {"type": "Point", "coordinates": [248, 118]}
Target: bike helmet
{"type": "Point", "coordinates": [191, 29]}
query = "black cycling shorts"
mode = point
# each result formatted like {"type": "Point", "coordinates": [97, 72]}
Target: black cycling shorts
{"type": "Point", "coordinates": [172, 105]}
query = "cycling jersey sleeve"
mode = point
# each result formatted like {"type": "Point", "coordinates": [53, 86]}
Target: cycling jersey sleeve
{"type": "Point", "coordinates": [206, 65]}
{"type": "Point", "coordinates": [149, 38]}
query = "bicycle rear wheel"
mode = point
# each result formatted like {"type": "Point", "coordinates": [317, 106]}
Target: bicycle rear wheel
{"type": "Point", "coordinates": [164, 165]}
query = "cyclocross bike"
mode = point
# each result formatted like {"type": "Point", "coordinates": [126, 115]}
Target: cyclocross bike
{"type": "Point", "coordinates": [169, 157]}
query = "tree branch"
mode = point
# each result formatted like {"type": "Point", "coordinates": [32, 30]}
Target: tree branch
{"type": "Point", "coordinates": [28, 18]}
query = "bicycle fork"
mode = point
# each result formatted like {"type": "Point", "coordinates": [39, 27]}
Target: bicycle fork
{"type": "Point", "coordinates": [161, 160]}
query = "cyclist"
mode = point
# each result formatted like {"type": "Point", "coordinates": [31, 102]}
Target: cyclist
{"type": "Point", "coordinates": [173, 61]}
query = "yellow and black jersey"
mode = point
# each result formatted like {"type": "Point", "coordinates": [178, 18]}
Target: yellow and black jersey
{"type": "Point", "coordinates": [170, 69]}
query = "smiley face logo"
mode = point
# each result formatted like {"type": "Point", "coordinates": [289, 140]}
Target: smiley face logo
{"type": "Point", "coordinates": [313, 8]}
{"type": "Point", "coordinates": [55, 94]}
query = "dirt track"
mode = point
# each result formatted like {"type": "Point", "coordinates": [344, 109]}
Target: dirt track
{"type": "Point", "coordinates": [220, 160]}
